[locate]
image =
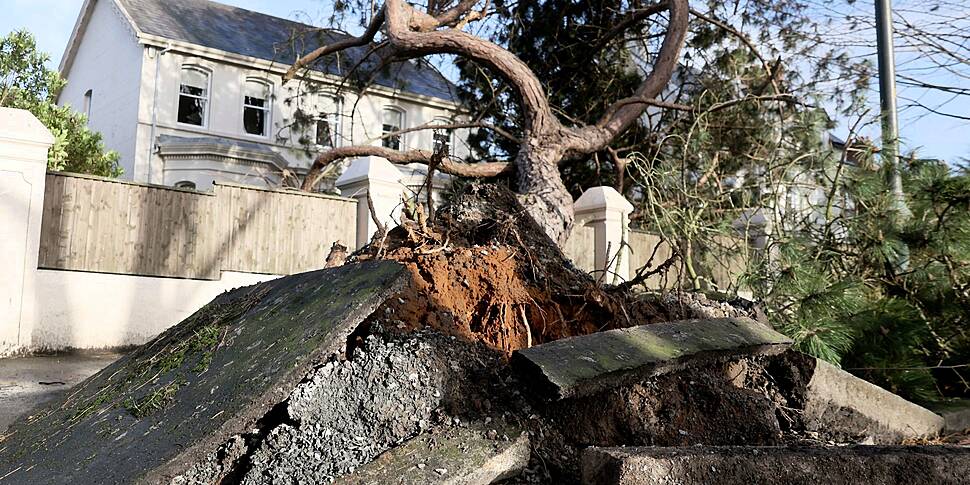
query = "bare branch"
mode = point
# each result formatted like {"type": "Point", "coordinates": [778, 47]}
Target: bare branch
{"type": "Point", "coordinates": [744, 40]}
{"type": "Point", "coordinates": [341, 45]}
{"type": "Point", "coordinates": [451, 126]}
{"type": "Point", "coordinates": [632, 18]}
{"type": "Point", "coordinates": [453, 16]}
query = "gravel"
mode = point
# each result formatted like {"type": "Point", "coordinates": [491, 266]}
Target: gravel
{"type": "Point", "coordinates": [347, 412]}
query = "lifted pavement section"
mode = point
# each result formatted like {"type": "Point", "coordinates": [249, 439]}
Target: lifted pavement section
{"type": "Point", "coordinates": [875, 465]}
{"type": "Point", "coordinates": [844, 407]}
{"type": "Point", "coordinates": [217, 374]}
{"type": "Point", "coordinates": [581, 366]}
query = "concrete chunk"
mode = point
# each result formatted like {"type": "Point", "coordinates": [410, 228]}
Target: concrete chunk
{"type": "Point", "coordinates": [166, 405]}
{"type": "Point", "coordinates": [581, 366]}
{"type": "Point", "coordinates": [843, 407]}
{"type": "Point", "coordinates": [741, 465]}
{"type": "Point", "coordinates": [449, 456]}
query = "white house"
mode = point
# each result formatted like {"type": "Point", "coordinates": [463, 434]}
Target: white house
{"type": "Point", "coordinates": [189, 92]}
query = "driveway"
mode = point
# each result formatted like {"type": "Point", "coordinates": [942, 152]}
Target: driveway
{"type": "Point", "coordinates": [26, 382]}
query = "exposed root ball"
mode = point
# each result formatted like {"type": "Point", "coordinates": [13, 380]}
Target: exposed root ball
{"type": "Point", "coordinates": [483, 270]}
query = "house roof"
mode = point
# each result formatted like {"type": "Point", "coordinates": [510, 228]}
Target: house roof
{"type": "Point", "coordinates": [244, 32]}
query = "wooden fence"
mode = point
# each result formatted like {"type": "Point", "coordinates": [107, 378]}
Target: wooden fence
{"type": "Point", "coordinates": [580, 247]}
{"type": "Point", "coordinates": [112, 226]}
{"type": "Point", "coordinates": [721, 265]}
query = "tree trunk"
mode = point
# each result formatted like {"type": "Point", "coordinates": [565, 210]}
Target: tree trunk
{"type": "Point", "coordinates": [541, 191]}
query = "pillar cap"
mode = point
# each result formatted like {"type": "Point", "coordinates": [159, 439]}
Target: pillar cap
{"type": "Point", "coordinates": [369, 169]}
{"type": "Point", "coordinates": [22, 126]}
{"type": "Point", "coordinates": [600, 199]}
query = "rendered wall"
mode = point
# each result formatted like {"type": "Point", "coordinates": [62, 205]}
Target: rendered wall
{"type": "Point", "coordinates": [109, 63]}
{"type": "Point", "coordinates": [84, 310]}
{"type": "Point", "coordinates": [23, 162]}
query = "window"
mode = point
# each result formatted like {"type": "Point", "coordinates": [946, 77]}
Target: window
{"type": "Point", "coordinates": [393, 120]}
{"type": "Point", "coordinates": [327, 124]}
{"type": "Point", "coordinates": [441, 139]}
{"type": "Point", "coordinates": [256, 104]}
{"type": "Point", "coordinates": [193, 96]}
{"type": "Point", "coordinates": [88, 96]}
{"type": "Point", "coordinates": [185, 184]}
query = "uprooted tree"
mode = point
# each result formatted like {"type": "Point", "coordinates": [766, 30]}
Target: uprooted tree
{"type": "Point", "coordinates": [409, 33]}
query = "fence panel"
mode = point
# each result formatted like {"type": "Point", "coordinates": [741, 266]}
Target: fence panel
{"type": "Point", "coordinates": [648, 248]}
{"type": "Point", "coordinates": [282, 232]}
{"type": "Point", "coordinates": [113, 226]}
{"type": "Point", "coordinates": [580, 247]}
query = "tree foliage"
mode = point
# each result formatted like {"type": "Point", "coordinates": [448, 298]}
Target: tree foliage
{"type": "Point", "coordinates": [586, 62]}
{"type": "Point", "coordinates": [27, 83]}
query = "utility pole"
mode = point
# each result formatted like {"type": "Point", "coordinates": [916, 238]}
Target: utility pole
{"type": "Point", "coordinates": [890, 121]}
{"type": "Point", "coordinates": [887, 100]}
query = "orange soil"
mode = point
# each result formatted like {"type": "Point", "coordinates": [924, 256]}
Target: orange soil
{"type": "Point", "coordinates": [478, 293]}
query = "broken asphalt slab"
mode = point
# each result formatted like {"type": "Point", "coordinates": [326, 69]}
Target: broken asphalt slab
{"type": "Point", "coordinates": [581, 366]}
{"type": "Point", "coordinates": [473, 455]}
{"type": "Point", "coordinates": [743, 465]}
{"type": "Point", "coordinates": [217, 374]}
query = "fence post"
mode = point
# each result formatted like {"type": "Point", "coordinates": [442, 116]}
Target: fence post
{"type": "Point", "coordinates": [24, 142]}
{"type": "Point", "coordinates": [607, 212]}
{"type": "Point", "coordinates": [381, 180]}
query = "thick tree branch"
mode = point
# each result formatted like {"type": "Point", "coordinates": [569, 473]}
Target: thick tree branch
{"type": "Point", "coordinates": [545, 142]}
{"type": "Point", "coordinates": [401, 16]}
{"type": "Point", "coordinates": [621, 114]}
{"type": "Point", "coordinates": [447, 165]}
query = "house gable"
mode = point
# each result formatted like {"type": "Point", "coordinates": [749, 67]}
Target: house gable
{"type": "Point", "coordinates": [81, 28]}
{"type": "Point", "coordinates": [102, 65]}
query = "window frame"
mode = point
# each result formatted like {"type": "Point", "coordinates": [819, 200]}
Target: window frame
{"type": "Point", "coordinates": [207, 97]}
{"type": "Point", "coordinates": [267, 109]}
{"type": "Point", "coordinates": [336, 124]}
{"type": "Point", "coordinates": [402, 138]}
{"type": "Point", "coordinates": [88, 103]}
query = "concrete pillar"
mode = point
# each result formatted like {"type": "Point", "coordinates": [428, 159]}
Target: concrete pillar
{"type": "Point", "coordinates": [24, 142]}
{"type": "Point", "coordinates": [608, 213]}
{"type": "Point", "coordinates": [379, 179]}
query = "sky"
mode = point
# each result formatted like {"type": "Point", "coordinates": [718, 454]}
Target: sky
{"type": "Point", "coordinates": [51, 21]}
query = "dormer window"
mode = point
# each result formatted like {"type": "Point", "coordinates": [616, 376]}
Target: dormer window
{"type": "Point", "coordinates": [441, 137]}
{"type": "Point", "coordinates": [193, 96]}
{"type": "Point", "coordinates": [393, 121]}
{"type": "Point", "coordinates": [256, 106]}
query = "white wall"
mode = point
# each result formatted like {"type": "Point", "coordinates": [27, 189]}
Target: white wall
{"type": "Point", "coordinates": [23, 165]}
{"type": "Point", "coordinates": [98, 310]}
{"type": "Point", "coordinates": [109, 62]}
